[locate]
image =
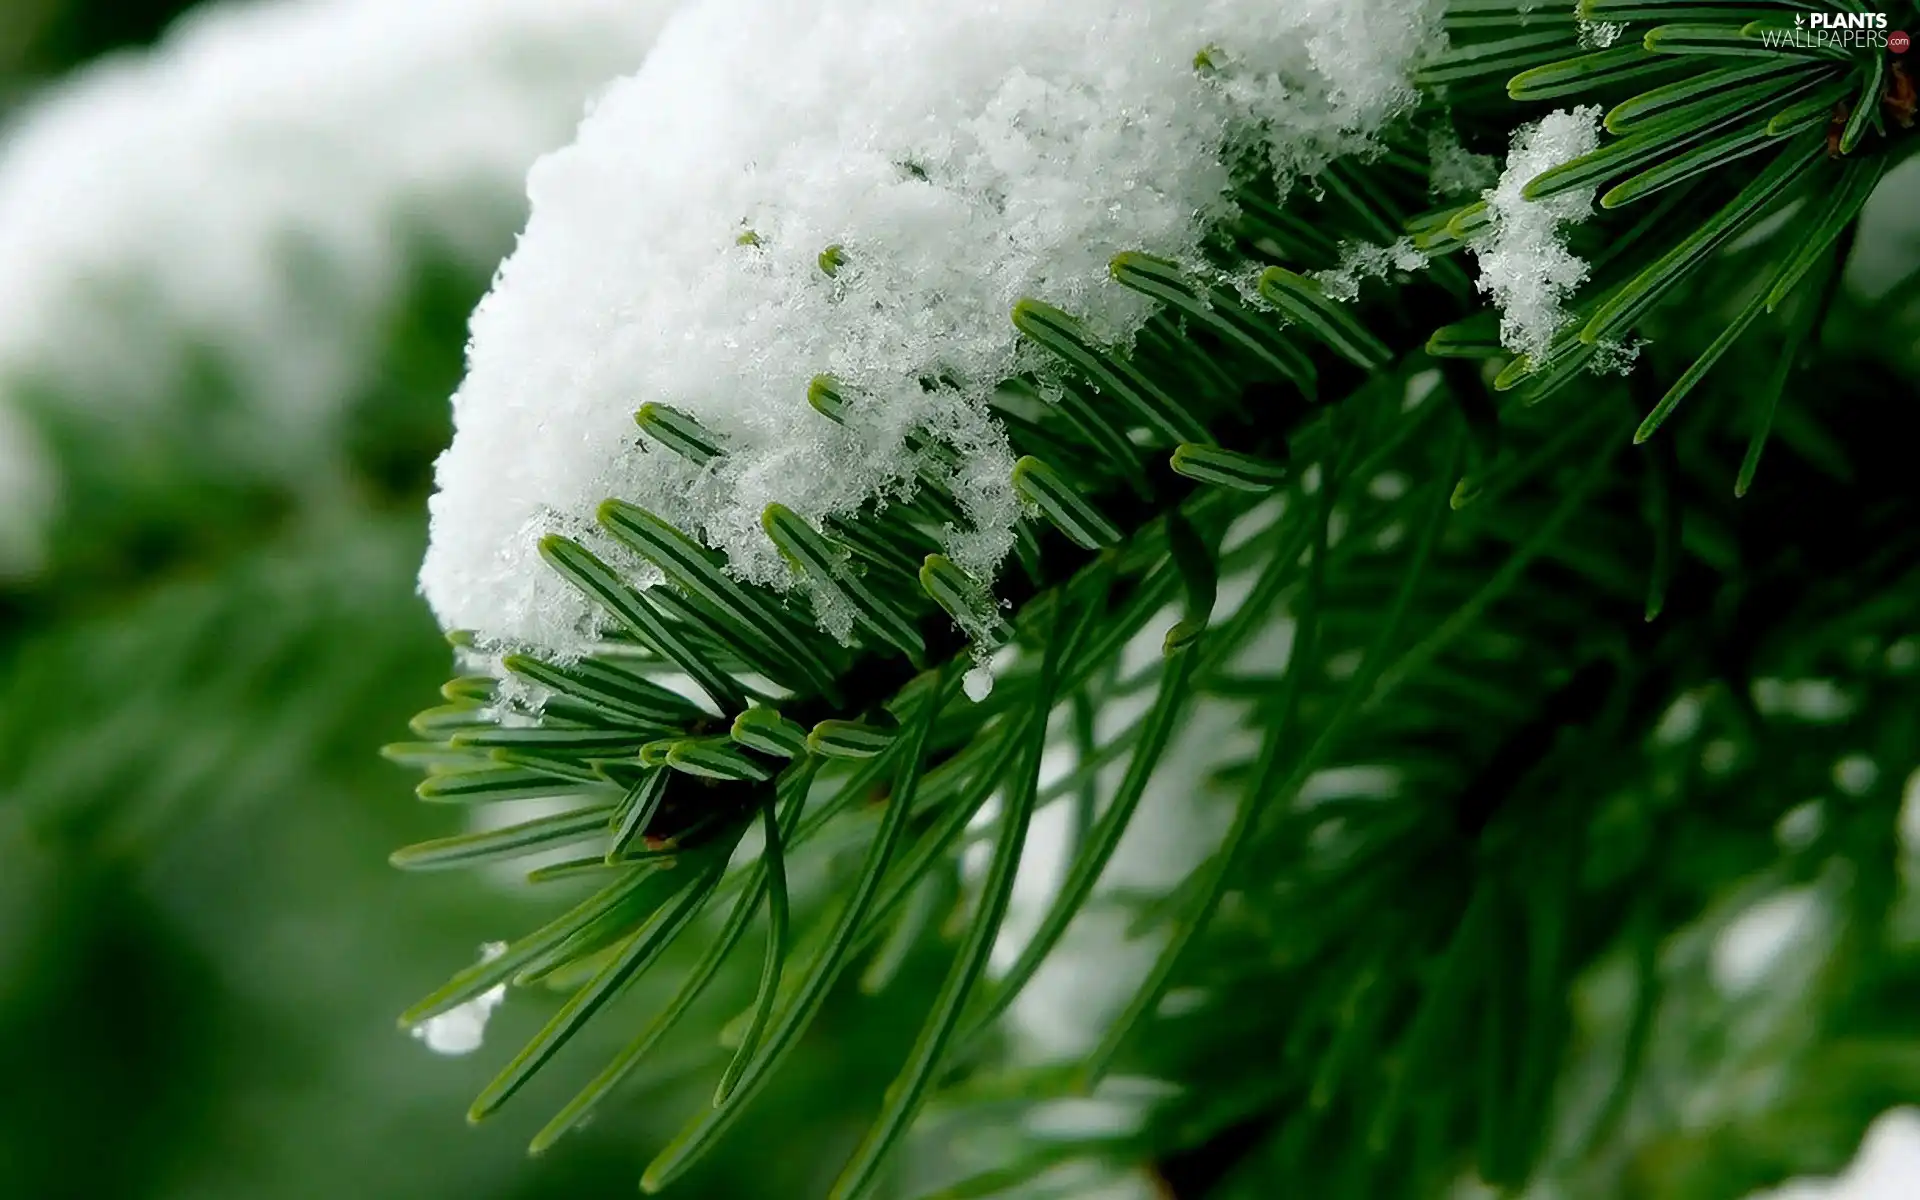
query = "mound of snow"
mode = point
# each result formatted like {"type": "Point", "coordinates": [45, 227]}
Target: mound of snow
{"type": "Point", "coordinates": [960, 155]}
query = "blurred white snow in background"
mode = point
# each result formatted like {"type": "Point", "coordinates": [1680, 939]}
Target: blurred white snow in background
{"type": "Point", "coordinates": [462, 1029]}
{"type": "Point", "coordinates": [260, 187]}
{"type": "Point", "coordinates": [1887, 1166]}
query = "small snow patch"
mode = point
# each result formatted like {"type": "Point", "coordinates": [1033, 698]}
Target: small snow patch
{"type": "Point", "coordinates": [978, 684]}
{"type": "Point", "coordinates": [1457, 170]}
{"type": "Point", "coordinates": [1525, 265]}
{"type": "Point", "coordinates": [1759, 938]}
{"type": "Point", "coordinates": [461, 1030]}
{"type": "Point", "coordinates": [1359, 263]}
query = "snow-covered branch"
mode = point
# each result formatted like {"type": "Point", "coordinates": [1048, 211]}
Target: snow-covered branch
{"type": "Point", "coordinates": [961, 156]}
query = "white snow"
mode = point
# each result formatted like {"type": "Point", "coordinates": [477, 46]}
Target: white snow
{"type": "Point", "coordinates": [1855, 774]}
{"type": "Point", "coordinates": [462, 1029]}
{"type": "Point", "coordinates": [978, 684]}
{"type": "Point", "coordinates": [1887, 1166]}
{"type": "Point", "coordinates": [1096, 968]}
{"type": "Point", "coordinates": [1820, 701]}
{"type": "Point", "coordinates": [961, 155]}
{"type": "Point", "coordinates": [1599, 35]}
{"type": "Point", "coordinates": [1525, 265]}
{"type": "Point", "coordinates": [1751, 944]}
{"type": "Point", "coordinates": [261, 186]}
{"type": "Point", "coordinates": [1360, 262]}
{"type": "Point", "coordinates": [1456, 169]}
{"type": "Point", "coordinates": [1907, 825]}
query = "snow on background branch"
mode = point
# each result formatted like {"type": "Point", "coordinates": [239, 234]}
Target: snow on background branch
{"type": "Point", "coordinates": [261, 186]}
{"type": "Point", "coordinates": [963, 156]}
